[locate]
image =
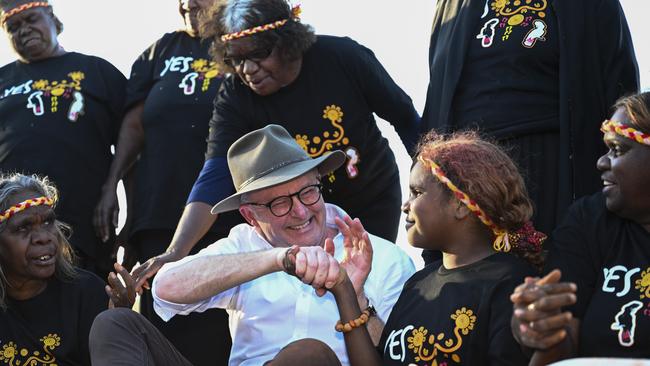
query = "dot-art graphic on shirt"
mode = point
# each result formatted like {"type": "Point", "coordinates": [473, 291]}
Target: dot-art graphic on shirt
{"type": "Point", "coordinates": [316, 146]}
{"type": "Point", "coordinates": [66, 89]}
{"type": "Point", "coordinates": [13, 355]}
{"type": "Point", "coordinates": [204, 72]}
{"type": "Point", "coordinates": [504, 15]}
{"type": "Point", "coordinates": [643, 284]}
{"type": "Point", "coordinates": [625, 323]}
{"type": "Point", "coordinates": [427, 346]}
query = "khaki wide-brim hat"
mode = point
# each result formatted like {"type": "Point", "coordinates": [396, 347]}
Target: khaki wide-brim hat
{"type": "Point", "coordinates": [267, 157]}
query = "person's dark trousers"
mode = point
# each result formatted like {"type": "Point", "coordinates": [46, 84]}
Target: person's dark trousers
{"type": "Point", "coordinates": [122, 337]}
{"type": "Point", "coordinates": [203, 338]}
{"type": "Point", "coordinates": [381, 216]}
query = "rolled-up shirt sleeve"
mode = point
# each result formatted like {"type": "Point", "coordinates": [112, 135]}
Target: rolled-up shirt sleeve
{"type": "Point", "coordinates": [167, 309]}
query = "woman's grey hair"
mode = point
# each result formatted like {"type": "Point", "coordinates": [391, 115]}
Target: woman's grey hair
{"type": "Point", "coordinates": [57, 22]}
{"type": "Point", "coordinates": [292, 39]}
{"type": "Point", "coordinates": [13, 184]}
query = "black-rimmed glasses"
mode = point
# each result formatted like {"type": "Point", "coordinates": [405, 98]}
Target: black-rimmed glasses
{"type": "Point", "coordinates": [280, 206]}
{"type": "Point", "coordinates": [256, 56]}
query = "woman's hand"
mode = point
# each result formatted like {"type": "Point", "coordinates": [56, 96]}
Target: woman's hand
{"type": "Point", "coordinates": [357, 249]}
{"type": "Point", "coordinates": [148, 269]}
{"type": "Point", "coordinates": [106, 214]}
{"type": "Point", "coordinates": [314, 266]}
{"type": "Point", "coordinates": [538, 321]}
{"type": "Point", "coordinates": [121, 295]}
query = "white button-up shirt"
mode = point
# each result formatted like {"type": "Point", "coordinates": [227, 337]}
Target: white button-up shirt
{"type": "Point", "coordinates": [274, 310]}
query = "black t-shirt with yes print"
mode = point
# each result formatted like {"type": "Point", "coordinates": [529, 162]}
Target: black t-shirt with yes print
{"type": "Point", "coordinates": [59, 118]}
{"type": "Point", "coordinates": [608, 257]}
{"type": "Point", "coordinates": [52, 327]}
{"type": "Point", "coordinates": [456, 317]}
{"type": "Point", "coordinates": [177, 82]}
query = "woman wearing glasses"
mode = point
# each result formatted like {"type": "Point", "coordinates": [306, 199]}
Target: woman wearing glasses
{"type": "Point", "coordinates": [322, 89]}
{"type": "Point", "coordinates": [169, 102]}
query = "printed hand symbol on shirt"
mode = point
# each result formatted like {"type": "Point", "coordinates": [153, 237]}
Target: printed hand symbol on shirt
{"type": "Point", "coordinates": [77, 106]}
{"type": "Point", "coordinates": [537, 33]}
{"type": "Point", "coordinates": [35, 102]}
{"type": "Point", "coordinates": [625, 323]}
{"type": "Point", "coordinates": [188, 84]}
{"type": "Point", "coordinates": [486, 35]}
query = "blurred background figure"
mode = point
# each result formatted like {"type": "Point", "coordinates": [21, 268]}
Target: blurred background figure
{"type": "Point", "coordinates": [60, 112]}
{"type": "Point", "coordinates": [539, 76]}
{"type": "Point", "coordinates": [169, 101]}
{"type": "Point", "coordinates": [47, 305]}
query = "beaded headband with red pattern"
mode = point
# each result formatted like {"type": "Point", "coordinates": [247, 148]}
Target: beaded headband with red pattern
{"type": "Point", "coordinates": [21, 8]}
{"type": "Point", "coordinates": [625, 131]}
{"type": "Point", "coordinates": [295, 15]}
{"type": "Point", "coordinates": [525, 236]}
{"type": "Point", "coordinates": [32, 202]}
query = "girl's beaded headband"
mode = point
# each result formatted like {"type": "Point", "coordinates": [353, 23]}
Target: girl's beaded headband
{"type": "Point", "coordinates": [501, 242]}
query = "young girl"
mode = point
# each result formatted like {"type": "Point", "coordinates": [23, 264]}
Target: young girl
{"type": "Point", "coordinates": [468, 201]}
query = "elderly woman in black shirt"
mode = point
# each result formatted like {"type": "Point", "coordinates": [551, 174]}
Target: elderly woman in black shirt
{"type": "Point", "coordinates": [47, 305]}
{"type": "Point", "coordinates": [602, 251]}
{"type": "Point", "coordinates": [60, 113]}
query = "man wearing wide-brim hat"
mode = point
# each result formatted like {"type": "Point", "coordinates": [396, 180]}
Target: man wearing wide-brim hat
{"type": "Point", "coordinates": [279, 195]}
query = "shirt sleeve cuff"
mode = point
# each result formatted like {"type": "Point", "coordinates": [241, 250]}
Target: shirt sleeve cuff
{"type": "Point", "coordinates": [213, 184]}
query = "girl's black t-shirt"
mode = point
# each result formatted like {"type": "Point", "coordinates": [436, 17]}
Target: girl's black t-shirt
{"type": "Point", "coordinates": [456, 317]}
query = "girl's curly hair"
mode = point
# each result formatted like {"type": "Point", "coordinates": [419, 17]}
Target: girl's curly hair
{"type": "Point", "coordinates": [490, 177]}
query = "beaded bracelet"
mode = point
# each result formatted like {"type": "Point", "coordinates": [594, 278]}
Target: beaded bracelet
{"type": "Point", "coordinates": [354, 323]}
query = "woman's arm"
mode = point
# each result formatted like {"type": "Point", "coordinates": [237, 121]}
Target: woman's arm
{"type": "Point", "coordinates": [129, 146]}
